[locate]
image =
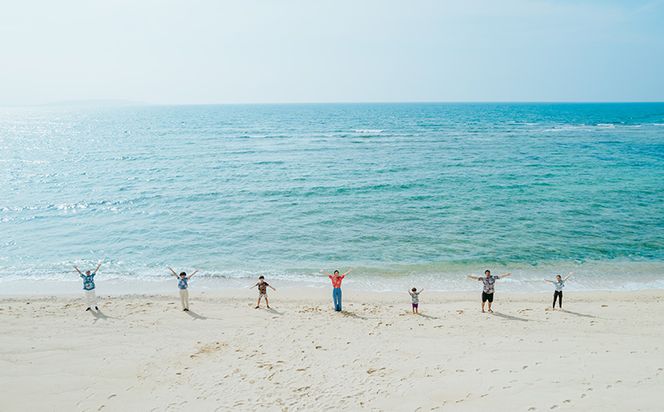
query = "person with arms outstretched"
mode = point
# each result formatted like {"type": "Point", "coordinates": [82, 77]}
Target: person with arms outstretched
{"type": "Point", "coordinates": [262, 286]}
{"type": "Point", "coordinates": [559, 284]}
{"type": "Point", "coordinates": [89, 286]}
{"type": "Point", "coordinates": [488, 280]}
{"type": "Point", "coordinates": [415, 299]}
{"type": "Point", "coordinates": [183, 285]}
{"type": "Point", "coordinates": [336, 279]}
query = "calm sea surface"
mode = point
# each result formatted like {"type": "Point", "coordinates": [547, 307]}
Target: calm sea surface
{"type": "Point", "coordinates": [402, 193]}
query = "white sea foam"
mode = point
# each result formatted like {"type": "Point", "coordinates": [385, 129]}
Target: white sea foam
{"type": "Point", "coordinates": [368, 131]}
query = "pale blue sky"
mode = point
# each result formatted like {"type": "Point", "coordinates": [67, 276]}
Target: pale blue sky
{"type": "Point", "coordinates": [204, 51]}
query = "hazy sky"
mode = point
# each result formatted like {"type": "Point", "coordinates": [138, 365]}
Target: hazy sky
{"type": "Point", "coordinates": [205, 51]}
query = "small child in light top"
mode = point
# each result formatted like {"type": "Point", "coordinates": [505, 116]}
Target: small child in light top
{"type": "Point", "coordinates": [262, 291]}
{"type": "Point", "coordinates": [415, 298]}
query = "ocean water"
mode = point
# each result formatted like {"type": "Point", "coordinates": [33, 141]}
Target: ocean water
{"type": "Point", "coordinates": [402, 193]}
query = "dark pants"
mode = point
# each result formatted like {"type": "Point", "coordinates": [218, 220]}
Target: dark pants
{"type": "Point", "coordinates": [336, 298]}
{"type": "Point", "coordinates": [487, 296]}
{"type": "Point", "coordinates": [559, 296]}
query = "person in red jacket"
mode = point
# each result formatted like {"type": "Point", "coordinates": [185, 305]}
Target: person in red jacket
{"type": "Point", "coordinates": [336, 279]}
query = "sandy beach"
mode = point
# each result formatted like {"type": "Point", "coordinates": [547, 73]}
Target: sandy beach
{"type": "Point", "coordinates": [143, 353]}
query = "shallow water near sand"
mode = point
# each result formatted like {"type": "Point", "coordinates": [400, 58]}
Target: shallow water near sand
{"type": "Point", "coordinates": [402, 193]}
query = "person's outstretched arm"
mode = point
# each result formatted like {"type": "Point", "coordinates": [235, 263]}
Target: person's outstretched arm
{"type": "Point", "coordinates": [347, 272]}
{"type": "Point", "coordinates": [568, 276]}
{"type": "Point", "coordinates": [421, 290]}
{"type": "Point", "coordinates": [325, 273]}
{"type": "Point", "coordinates": [505, 275]}
{"type": "Point", "coordinates": [270, 286]}
{"type": "Point", "coordinates": [473, 277]}
{"type": "Point", "coordinates": [547, 280]}
{"type": "Point", "coordinates": [250, 287]}
{"type": "Point", "coordinates": [172, 271]}
{"type": "Point", "coordinates": [98, 266]}
{"type": "Point", "coordinates": [192, 274]}
{"type": "Point", "coordinates": [78, 270]}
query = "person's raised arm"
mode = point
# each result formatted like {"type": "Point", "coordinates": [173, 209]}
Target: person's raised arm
{"type": "Point", "coordinates": [172, 271]}
{"type": "Point", "coordinates": [98, 266]}
{"type": "Point", "coordinates": [78, 270]}
{"type": "Point", "coordinates": [505, 275]}
{"type": "Point", "coordinates": [568, 276]}
{"type": "Point", "coordinates": [473, 277]}
{"type": "Point", "coordinates": [193, 273]}
{"type": "Point", "coordinates": [325, 273]}
{"type": "Point", "coordinates": [347, 272]}
{"type": "Point", "coordinates": [421, 290]}
{"type": "Point", "coordinates": [547, 280]}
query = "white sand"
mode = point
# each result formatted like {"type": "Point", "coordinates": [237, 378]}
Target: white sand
{"type": "Point", "coordinates": [146, 354]}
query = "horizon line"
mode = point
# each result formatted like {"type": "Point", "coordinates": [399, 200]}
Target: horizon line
{"type": "Point", "coordinates": [123, 102]}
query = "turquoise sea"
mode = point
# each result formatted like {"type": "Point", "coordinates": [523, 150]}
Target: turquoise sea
{"type": "Point", "coordinates": [402, 193]}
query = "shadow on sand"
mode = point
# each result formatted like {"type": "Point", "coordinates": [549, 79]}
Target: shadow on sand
{"type": "Point", "coordinates": [510, 317]}
{"type": "Point", "coordinates": [195, 315]}
{"type": "Point", "coordinates": [583, 315]}
{"type": "Point", "coordinates": [351, 315]}
{"type": "Point", "coordinates": [274, 311]}
{"type": "Point", "coordinates": [100, 315]}
{"type": "Point", "coordinates": [426, 316]}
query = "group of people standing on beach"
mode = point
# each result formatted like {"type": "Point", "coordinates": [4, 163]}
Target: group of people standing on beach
{"type": "Point", "coordinates": [336, 278]}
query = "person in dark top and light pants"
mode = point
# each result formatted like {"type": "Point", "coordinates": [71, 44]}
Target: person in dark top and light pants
{"type": "Point", "coordinates": [183, 285]}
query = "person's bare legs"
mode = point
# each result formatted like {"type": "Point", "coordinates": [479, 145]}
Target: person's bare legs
{"type": "Point", "coordinates": [267, 303]}
{"type": "Point", "coordinates": [258, 304]}
{"type": "Point", "coordinates": [483, 306]}
{"type": "Point", "coordinates": [417, 310]}
{"type": "Point", "coordinates": [490, 308]}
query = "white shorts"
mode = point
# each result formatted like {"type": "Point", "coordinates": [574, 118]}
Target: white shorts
{"type": "Point", "coordinates": [91, 298]}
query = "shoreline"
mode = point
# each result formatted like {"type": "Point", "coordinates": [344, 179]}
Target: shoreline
{"type": "Point", "coordinates": [293, 294]}
{"type": "Point", "coordinates": [115, 286]}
